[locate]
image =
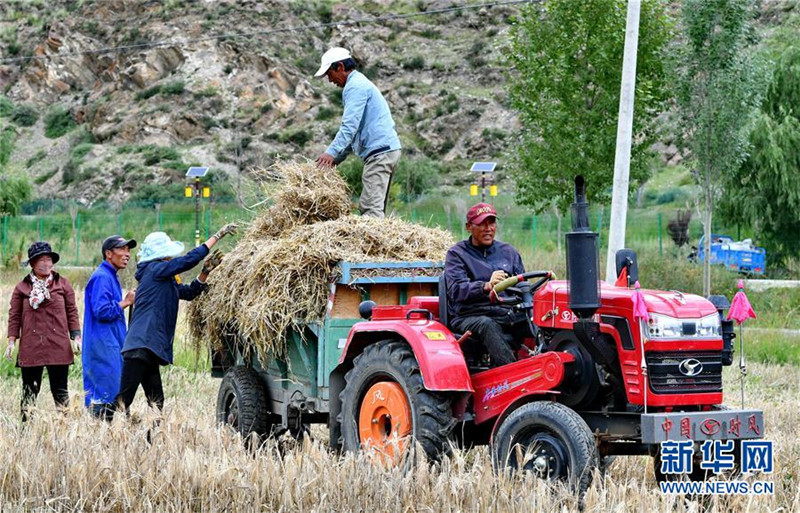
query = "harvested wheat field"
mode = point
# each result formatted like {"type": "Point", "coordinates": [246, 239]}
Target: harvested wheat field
{"type": "Point", "coordinates": [72, 462]}
{"type": "Point", "coordinates": [278, 275]}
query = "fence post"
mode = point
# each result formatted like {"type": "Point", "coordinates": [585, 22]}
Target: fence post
{"type": "Point", "coordinates": [78, 239]}
{"type": "Point", "coordinates": [600, 223]}
{"type": "Point", "coordinates": [41, 227]}
{"type": "Point", "coordinates": [160, 222]}
{"type": "Point", "coordinates": [413, 215]}
{"type": "Point", "coordinates": [208, 224]}
{"type": "Point", "coordinates": [660, 245]}
{"type": "Point", "coordinates": [533, 238]}
{"type": "Point", "coordinates": [5, 237]}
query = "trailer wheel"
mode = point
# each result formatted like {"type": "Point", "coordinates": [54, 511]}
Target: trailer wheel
{"type": "Point", "coordinates": [242, 403]}
{"type": "Point", "coordinates": [548, 439]}
{"type": "Point", "coordinates": [385, 405]}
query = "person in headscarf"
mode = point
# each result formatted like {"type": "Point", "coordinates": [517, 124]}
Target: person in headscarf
{"type": "Point", "coordinates": [43, 318]}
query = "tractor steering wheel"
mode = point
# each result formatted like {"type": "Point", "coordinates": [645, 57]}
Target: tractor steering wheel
{"type": "Point", "coordinates": [508, 284]}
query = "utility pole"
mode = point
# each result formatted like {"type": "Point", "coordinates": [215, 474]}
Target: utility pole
{"type": "Point", "coordinates": [622, 159]}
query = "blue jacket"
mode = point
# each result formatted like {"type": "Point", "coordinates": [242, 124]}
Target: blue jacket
{"type": "Point", "coordinates": [103, 335]}
{"type": "Point", "coordinates": [467, 268]}
{"type": "Point", "coordinates": [367, 124]}
{"type": "Point", "coordinates": [155, 310]}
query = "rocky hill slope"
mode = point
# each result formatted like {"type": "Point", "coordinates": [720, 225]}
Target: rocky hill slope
{"type": "Point", "coordinates": [229, 84]}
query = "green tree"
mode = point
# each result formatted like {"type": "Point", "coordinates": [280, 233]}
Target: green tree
{"type": "Point", "coordinates": [765, 190]}
{"type": "Point", "coordinates": [15, 189]}
{"type": "Point", "coordinates": [566, 67]}
{"type": "Point", "coordinates": [718, 92]}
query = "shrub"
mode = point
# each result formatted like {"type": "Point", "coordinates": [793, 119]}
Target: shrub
{"type": "Point", "coordinates": [80, 151]}
{"type": "Point", "coordinates": [148, 93]}
{"type": "Point", "coordinates": [6, 107]}
{"type": "Point", "coordinates": [15, 189]}
{"type": "Point", "coordinates": [155, 154]}
{"type": "Point", "coordinates": [325, 113]}
{"type": "Point", "coordinates": [58, 122]}
{"type": "Point", "coordinates": [7, 136]}
{"type": "Point", "coordinates": [299, 137]}
{"type": "Point", "coordinates": [24, 115]}
{"type": "Point", "coordinates": [173, 88]}
{"type": "Point", "coordinates": [207, 92]}
{"type": "Point", "coordinates": [414, 63]}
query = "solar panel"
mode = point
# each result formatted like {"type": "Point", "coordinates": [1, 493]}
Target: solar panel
{"type": "Point", "coordinates": [196, 172]}
{"type": "Point", "coordinates": [483, 167]}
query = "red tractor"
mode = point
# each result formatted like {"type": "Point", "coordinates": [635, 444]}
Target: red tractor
{"type": "Point", "coordinates": [592, 380]}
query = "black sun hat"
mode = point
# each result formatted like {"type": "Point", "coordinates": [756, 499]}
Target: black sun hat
{"type": "Point", "coordinates": [40, 248]}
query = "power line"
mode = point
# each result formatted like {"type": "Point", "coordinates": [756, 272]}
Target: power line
{"type": "Point", "coordinates": [186, 42]}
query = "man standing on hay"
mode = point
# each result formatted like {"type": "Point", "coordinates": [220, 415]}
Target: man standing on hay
{"type": "Point", "coordinates": [472, 268]}
{"type": "Point", "coordinates": [367, 130]}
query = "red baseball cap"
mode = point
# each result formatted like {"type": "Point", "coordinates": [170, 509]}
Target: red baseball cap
{"type": "Point", "coordinates": [478, 213]}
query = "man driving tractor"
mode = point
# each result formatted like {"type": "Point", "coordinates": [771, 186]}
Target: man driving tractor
{"type": "Point", "coordinates": [472, 268]}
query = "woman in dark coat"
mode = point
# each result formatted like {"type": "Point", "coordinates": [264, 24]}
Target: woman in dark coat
{"type": "Point", "coordinates": [148, 344]}
{"type": "Point", "coordinates": [44, 318]}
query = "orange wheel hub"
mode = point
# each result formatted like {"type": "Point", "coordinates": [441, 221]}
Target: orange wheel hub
{"type": "Point", "coordinates": [384, 421]}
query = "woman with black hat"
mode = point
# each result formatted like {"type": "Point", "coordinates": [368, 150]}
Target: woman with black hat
{"type": "Point", "coordinates": [44, 318]}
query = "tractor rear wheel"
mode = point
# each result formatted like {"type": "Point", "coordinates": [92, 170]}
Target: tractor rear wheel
{"type": "Point", "coordinates": [242, 403]}
{"type": "Point", "coordinates": [550, 440]}
{"type": "Point", "coordinates": [385, 406]}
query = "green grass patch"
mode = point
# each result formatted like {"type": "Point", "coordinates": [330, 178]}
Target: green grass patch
{"type": "Point", "coordinates": [37, 157]}
{"type": "Point", "coordinates": [58, 122]}
{"type": "Point", "coordinates": [44, 177]}
{"type": "Point", "coordinates": [7, 137]}
{"type": "Point", "coordinates": [771, 348]}
{"type": "Point", "coordinates": [6, 107]}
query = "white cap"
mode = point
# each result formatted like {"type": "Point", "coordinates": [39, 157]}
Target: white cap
{"type": "Point", "coordinates": [333, 55]}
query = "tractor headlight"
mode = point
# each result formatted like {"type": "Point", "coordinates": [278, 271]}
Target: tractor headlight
{"type": "Point", "coordinates": [709, 326]}
{"type": "Point", "coordinates": [664, 326]}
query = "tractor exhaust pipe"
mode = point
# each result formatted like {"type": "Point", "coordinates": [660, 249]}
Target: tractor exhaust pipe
{"type": "Point", "coordinates": [582, 257]}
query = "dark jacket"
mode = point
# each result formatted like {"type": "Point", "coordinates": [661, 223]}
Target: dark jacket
{"type": "Point", "coordinates": [467, 268]}
{"type": "Point", "coordinates": [44, 334]}
{"type": "Point", "coordinates": [155, 309]}
{"type": "Point", "coordinates": [103, 334]}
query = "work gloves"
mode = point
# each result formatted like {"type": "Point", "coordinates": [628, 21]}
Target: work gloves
{"type": "Point", "coordinates": [212, 261]}
{"type": "Point", "coordinates": [226, 230]}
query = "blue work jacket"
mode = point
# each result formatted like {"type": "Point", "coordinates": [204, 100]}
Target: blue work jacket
{"type": "Point", "coordinates": [155, 310]}
{"type": "Point", "coordinates": [367, 125]}
{"type": "Point", "coordinates": [103, 335]}
{"type": "Point", "coordinates": [467, 268]}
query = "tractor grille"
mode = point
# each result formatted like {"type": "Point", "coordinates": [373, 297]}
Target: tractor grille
{"type": "Point", "coordinates": [666, 377]}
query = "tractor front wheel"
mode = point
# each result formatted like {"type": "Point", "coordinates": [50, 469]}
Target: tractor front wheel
{"type": "Point", "coordinates": [385, 406]}
{"type": "Point", "coordinates": [548, 439]}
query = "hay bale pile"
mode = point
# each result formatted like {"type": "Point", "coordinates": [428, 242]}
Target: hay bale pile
{"type": "Point", "coordinates": [278, 275]}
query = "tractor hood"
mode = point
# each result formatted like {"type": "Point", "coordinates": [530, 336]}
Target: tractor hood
{"type": "Point", "coordinates": [672, 303]}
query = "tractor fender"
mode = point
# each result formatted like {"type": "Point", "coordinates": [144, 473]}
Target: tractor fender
{"type": "Point", "coordinates": [502, 390]}
{"type": "Point", "coordinates": [438, 353]}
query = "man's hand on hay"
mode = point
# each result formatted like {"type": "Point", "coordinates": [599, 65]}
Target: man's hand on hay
{"type": "Point", "coordinates": [325, 160]}
{"type": "Point", "coordinates": [212, 262]}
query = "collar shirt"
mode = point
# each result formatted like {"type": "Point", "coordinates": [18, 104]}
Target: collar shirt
{"type": "Point", "coordinates": [367, 124]}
